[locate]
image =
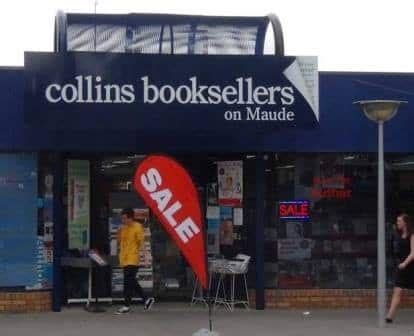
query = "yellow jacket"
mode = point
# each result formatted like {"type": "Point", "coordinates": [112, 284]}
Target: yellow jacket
{"type": "Point", "coordinates": [130, 240]}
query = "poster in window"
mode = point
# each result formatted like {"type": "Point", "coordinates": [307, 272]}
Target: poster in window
{"type": "Point", "coordinates": [212, 194]}
{"type": "Point", "coordinates": [294, 249]}
{"type": "Point", "coordinates": [213, 232]}
{"type": "Point", "coordinates": [230, 183]}
{"type": "Point", "coordinates": [213, 235]}
{"type": "Point", "coordinates": [226, 226]}
{"type": "Point", "coordinates": [213, 212]}
{"type": "Point", "coordinates": [78, 204]}
{"type": "Point", "coordinates": [44, 256]}
{"type": "Point", "coordinates": [294, 229]}
{"type": "Point", "coordinates": [238, 216]}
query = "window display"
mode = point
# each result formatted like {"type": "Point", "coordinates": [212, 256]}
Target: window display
{"type": "Point", "coordinates": [336, 246]}
{"type": "Point", "coordinates": [79, 204]}
{"type": "Point", "coordinates": [45, 225]}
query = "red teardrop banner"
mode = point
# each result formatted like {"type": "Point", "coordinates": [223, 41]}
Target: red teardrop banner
{"type": "Point", "coordinates": [168, 190]}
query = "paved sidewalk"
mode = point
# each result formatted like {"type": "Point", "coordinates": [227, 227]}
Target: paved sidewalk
{"type": "Point", "coordinates": [180, 320]}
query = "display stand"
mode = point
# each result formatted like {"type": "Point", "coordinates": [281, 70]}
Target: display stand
{"type": "Point", "coordinates": [87, 263]}
{"type": "Point", "coordinates": [98, 261]}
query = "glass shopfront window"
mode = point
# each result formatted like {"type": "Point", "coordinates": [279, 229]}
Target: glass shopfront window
{"type": "Point", "coordinates": [322, 230]}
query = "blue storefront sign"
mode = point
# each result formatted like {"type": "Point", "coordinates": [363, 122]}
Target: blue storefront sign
{"type": "Point", "coordinates": [97, 91]}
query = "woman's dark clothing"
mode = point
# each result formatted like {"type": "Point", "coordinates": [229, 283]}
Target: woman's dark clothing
{"type": "Point", "coordinates": [404, 278]}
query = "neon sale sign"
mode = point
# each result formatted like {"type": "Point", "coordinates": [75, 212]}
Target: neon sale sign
{"type": "Point", "coordinates": [294, 210]}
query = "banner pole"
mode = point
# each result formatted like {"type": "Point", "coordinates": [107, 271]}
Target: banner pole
{"type": "Point", "coordinates": [210, 317]}
{"type": "Point", "coordinates": [208, 275]}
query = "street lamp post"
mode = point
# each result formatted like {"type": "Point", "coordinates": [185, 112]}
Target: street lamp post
{"type": "Point", "coordinates": [380, 111]}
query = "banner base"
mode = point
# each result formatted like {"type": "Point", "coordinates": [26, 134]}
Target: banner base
{"type": "Point", "coordinates": [206, 332]}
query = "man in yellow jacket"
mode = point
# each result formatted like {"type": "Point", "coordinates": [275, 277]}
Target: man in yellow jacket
{"type": "Point", "coordinates": [130, 240]}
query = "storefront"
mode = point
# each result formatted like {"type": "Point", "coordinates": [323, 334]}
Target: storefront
{"type": "Point", "coordinates": [275, 148]}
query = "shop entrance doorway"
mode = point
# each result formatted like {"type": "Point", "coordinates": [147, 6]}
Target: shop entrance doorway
{"type": "Point", "coordinates": [163, 273]}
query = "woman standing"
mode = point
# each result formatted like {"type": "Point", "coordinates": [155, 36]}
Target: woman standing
{"type": "Point", "coordinates": [404, 278]}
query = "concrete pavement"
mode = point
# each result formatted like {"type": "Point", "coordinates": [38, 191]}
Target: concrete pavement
{"type": "Point", "coordinates": [178, 319]}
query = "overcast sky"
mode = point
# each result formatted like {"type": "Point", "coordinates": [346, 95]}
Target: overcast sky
{"type": "Point", "coordinates": [346, 35]}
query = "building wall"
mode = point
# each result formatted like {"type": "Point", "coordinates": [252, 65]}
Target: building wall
{"type": "Point", "coordinates": [326, 299]}
{"type": "Point", "coordinates": [25, 302]}
{"type": "Point", "coordinates": [29, 302]}
{"type": "Point", "coordinates": [342, 129]}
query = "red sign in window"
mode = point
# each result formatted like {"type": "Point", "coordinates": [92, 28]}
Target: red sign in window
{"type": "Point", "coordinates": [294, 210]}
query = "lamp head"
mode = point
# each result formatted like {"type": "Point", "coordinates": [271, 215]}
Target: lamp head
{"type": "Point", "coordinates": [380, 110]}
